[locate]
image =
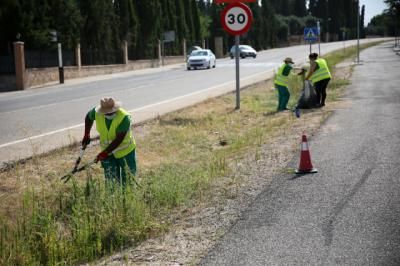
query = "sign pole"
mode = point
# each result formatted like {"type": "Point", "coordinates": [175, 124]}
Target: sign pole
{"type": "Point", "coordinates": [236, 19]}
{"type": "Point", "coordinates": [237, 72]}
{"type": "Point", "coordinates": [358, 32]}
{"type": "Point", "coordinates": [319, 38]}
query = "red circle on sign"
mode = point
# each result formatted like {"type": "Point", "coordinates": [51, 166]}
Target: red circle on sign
{"type": "Point", "coordinates": [243, 9]}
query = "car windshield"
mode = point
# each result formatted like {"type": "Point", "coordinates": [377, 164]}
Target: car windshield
{"type": "Point", "coordinates": [197, 53]}
{"type": "Point", "coordinates": [241, 47]}
{"type": "Point", "coordinates": [245, 47]}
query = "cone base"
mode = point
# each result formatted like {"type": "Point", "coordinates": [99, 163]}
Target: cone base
{"type": "Point", "coordinates": [312, 171]}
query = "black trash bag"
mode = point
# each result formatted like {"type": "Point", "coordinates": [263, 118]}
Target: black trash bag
{"type": "Point", "coordinates": [308, 97]}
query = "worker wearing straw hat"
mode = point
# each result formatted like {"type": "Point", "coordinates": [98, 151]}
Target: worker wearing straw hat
{"type": "Point", "coordinates": [282, 83]}
{"type": "Point", "coordinates": [117, 143]}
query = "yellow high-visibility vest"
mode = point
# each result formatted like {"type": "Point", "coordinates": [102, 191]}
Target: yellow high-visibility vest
{"type": "Point", "coordinates": [280, 79]}
{"type": "Point", "coordinates": [322, 72]}
{"type": "Point", "coordinates": [108, 135]}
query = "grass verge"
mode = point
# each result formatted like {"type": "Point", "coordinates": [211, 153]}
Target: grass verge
{"type": "Point", "coordinates": [181, 155]}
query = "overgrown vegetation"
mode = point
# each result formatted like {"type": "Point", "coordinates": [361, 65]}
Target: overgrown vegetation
{"type": "Point", "coordinates": [180, 156]}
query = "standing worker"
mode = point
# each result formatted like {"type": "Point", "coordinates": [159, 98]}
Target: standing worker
{"type": "Point", "coordinates": [320, 76]}
{"type": "Point", "coordinates": [282, 82]}
{"type": "Point", "coordinates": [117, 156]}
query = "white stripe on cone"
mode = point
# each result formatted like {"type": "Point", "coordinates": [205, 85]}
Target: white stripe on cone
{"type": "Point", "coordinates": [304, 146]}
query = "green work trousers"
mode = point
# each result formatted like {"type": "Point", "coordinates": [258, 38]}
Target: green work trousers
{"type": "Point", "coordinates": [119, 169]}
{"type": "Point", "coordinates": [284, 95]}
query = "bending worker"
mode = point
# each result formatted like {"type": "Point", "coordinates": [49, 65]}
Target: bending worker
{"type": "Point", "coordinates": [320, 76]}
{"type": "Point", "coordinates": [282, 82]}
{"type": "Point", "coordinates": [117, 143]}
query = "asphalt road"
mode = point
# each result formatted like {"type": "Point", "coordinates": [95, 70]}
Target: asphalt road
{"type": "Point", "coordinates": [39, 120]}
{"type": "Point", "coordinates": [349, 212]}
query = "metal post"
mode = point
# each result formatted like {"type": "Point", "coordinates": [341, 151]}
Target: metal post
{"type": "Point", "coordinates": [162, 52]}
{"type": "Point", "coordinates": [310, 47]}
{"type": "Point", "coordinates": [344, 41]}
{"type": "Point", "coordinates": [395, 29]}
{"type": "Point", "coordinates": [358, 31]}
{"type": "Point", "coordinates": [237, 72]}
{"type": "Point", "coordinates": [60, 64]}
{"type": "Point", "coordinates": [319, 38]}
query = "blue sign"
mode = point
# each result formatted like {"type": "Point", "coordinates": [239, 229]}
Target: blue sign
{"type": "Point", "coordinates": [311, 34]}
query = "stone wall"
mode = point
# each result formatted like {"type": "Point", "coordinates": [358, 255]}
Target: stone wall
{"type": "Point", "coordinates": [40, 76]}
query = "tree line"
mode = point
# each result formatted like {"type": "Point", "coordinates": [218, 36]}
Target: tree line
{"type": "Point", "coordinates": [104, 24]}
{"type": "Point", "coordinates": [387, 23]}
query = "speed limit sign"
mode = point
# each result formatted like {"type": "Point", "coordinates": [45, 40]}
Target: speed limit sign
{"type": "Point", "coordinates": [236, 18]}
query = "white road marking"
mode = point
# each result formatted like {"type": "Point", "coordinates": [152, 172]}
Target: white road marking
{"type": "Point", "coordinates": [39, 136]}
{"type": "Point", "coordinates": [71, 101]}
{"type": "Point", "coordinates": [130, 111]}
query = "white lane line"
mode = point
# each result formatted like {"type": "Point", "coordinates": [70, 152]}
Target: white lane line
{"type": "Point", "coordinates": [41, 135]}
{"type": "Point", "coordinates": [71, 101]}
{"type": "Point", "coordinates": [180, 97]}
{"type": "Point", "coordinates": [131, 111]}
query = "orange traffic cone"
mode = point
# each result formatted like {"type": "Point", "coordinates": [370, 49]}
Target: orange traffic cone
{"type": "Point", "coordinates": [305, 166]}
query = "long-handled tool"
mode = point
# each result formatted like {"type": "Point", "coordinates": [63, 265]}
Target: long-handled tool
{"type": "Point", "coordinates": [68, 176]}
{"type": "Point", "coordinates": [77, 162]}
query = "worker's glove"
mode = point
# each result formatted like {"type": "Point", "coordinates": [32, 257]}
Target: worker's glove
{"type": "Point", "coordinates": [101, 156]}
{"type": "Point", "coordinates": [85, 140]}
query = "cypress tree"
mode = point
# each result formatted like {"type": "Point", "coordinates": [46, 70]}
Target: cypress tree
{"type": "Point", "coordinates": [9, 24]}
{"type": "Point", "coordinates": [362, 18]}
{"type": "Point", "coordinates": [67, 21]}
{"type": "Point", "coordinates": [180, 18]}
{"type": "Point", "coordinates": [149, 13]}
{"type": "Point", "coordinates": [128, 22]}
{"type": "Point", "coordinates": [100, 31]}
{"type": "Point", "coordinates": [300, 8]}
{"type": "Point", "coordinates": [34, 23]}
{"type": "Point", "coordinates": [190, 34]}
{"type": "Point", "coordinates": [196, 21]}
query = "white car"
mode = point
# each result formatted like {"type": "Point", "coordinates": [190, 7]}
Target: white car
{"type": "Point", "coordinates": [201, 59]}
{"type": "Point", "coordinates": [244, 51]}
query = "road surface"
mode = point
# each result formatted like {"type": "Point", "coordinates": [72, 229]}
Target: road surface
{"type": "Point", "coordinates": [349, 212]}
{"type": "Point", "coordinates": [39, 120]}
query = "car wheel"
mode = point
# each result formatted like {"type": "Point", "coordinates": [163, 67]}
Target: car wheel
{"type": "Point", "coordinates": [254, 56]}
{"type": "Point", "coordinates": [188, 68]}
{"type": "Point", "coordinates": [195, 68]}
{"type": "Point", "coordinates": [215, 64]}
{"type": "Point", "coordinates": [209, 65]}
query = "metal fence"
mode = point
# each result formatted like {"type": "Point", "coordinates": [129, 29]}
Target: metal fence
{"type": "Point", "coordinates": [7, 65]}
{"type": "Point", "coordinates": [96, 57]}
{"type": "Point", "coordinates": [48, 58]}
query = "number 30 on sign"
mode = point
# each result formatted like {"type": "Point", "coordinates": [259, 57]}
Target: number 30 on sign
{"type": "Point", "coordinates": [236, 18]}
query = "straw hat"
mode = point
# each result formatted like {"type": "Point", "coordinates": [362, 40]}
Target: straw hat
{"type": "Point", "coordinates": [288, 60]}
{"type": "Point", "coordinates": [108, 105]}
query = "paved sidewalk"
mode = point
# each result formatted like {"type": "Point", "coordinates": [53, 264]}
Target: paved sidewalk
{"type": "Point", "coordinates": [349, 212]}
